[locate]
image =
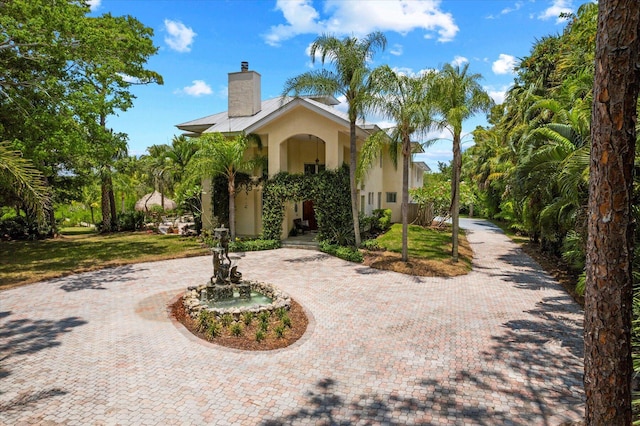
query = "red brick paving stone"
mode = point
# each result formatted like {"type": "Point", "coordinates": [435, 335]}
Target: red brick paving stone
{"type": "Point", "coordinates": [501, 345]}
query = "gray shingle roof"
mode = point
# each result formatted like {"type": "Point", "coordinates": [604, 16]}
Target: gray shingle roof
{"type": "Point", "coordinates": [271, 109]}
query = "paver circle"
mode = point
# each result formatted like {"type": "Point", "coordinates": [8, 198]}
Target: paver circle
{"type": "Point", "coordinates": [501, 345]}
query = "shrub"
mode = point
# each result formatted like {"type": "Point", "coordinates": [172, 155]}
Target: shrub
{"type": "Point", "coordinates": [346, 253]}
{"type": "Point", "coordinates": [226, 320]}
{"type": "Point", "coordinates": [236, 329]}
{"type": "Point", "coordinates": [19, 228]}
{"type": "Point", "coordinates": [215, 328]}
{"type": "Point", "coordinates": [253, 245]}
{"type": "Point", "coordinates": [202, 323]}
{"type": "Point", "coordinates": [264, 316]}
{"type": "Point", "coordinates": [372, 245]}
{"type": "Point", "coordinates": [286, 321]}
{"type": "Point", "coordinates": [383, 220]}
{"type": "Point", "coordinates": [281, 313]}
{"type": "Point", "coordinates": [260, 335]}
{"type": "Point", "coordinates": [247, 317]}
{"type": "Point", "coordinates": [130, 221]}
{"type": "Point", "coordinates": [279, 331]}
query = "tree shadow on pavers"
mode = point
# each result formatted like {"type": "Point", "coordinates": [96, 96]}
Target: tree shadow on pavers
{"type": "Point", "coordinates": [28, 336]}
{"type": "Point", "coordinates": [306, 259]}
{"type": "Point", "coordinates": [478, 397]}
{"type": "Point", "coordinates": [556, 321]}
{"type": "Point", "coordinates": [26, 399]}
{"type": "Point", "coordinates": [97, 280]}
{"type": "Point", "coordinates": [530, 374]}
{"type": "Point", "coordinates": [365, 270]}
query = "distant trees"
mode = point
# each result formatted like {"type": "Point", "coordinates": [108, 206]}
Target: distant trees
{"type": "Point", "coordinates": [62, 73]}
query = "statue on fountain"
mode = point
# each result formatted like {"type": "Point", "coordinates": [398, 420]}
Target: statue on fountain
{"type": "Point", "coordinates": [223, 271]}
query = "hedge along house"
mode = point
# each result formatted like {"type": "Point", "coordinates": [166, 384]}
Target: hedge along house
{"type": "Point", "coordinates": [301, 135]}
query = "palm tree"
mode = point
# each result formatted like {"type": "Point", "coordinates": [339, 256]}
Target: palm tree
{"type": "Point", "coordinates": [405, 100]}
{"type": "Point", "coordinates": [350, 57]}
{"type": "Point", "coordinates": [217, 156]}
{"type": "Point", "coordinates": [458, 96]}
{"type": "Point", "coordinates": [19, 178]}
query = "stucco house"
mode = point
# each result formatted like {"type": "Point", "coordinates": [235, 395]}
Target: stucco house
{"type": "Point", "coordinates": [299, 135]}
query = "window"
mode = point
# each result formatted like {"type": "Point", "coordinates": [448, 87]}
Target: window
{"type": "Point", "coordinates": [370, 198]}
{"type": "Point", "coordinates": [310, 168]}
{"type": "Point", "coordinates": [379, 200]}
{"type": "Point", "coordinates": [391, 197]}
{"type": "Point", "coordinates": [362, 204]}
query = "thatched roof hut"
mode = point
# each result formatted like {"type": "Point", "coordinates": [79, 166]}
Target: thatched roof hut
{"type": "Point", "coordinates": [155, 198]}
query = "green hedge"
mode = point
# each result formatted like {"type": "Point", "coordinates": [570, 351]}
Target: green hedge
{"type": "Point", "coordinates": [254, 245]}
{"type": "Point", "coordinates": [346, 253]}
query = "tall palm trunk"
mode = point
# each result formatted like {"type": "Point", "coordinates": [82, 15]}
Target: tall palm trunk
{"type": "Point", "coordinates": [455, 196]}
{"type": "Point", "coordinates": [352, 182]}
{"type": "Point", "coordinates": [404, 208]}
{"type": "Point", "coordinates": [232, 207]}
{"type": "Point", "coordinates": [609, 287]}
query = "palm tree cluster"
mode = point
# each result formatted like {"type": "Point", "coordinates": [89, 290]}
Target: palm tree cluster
{"type": "Point", "coordinates": [416, 103]}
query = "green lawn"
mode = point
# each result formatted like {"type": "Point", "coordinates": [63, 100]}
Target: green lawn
{"type": "Point", "coordinates": [422, 242]}
{"type": "Point", "coordinates": [429, 252]}
{"type": "Point", "coordinates": [24, 262]}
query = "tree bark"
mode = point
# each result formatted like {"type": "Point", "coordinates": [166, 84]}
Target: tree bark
{"type": "Point", "coordinates": [609, 296]}
{"type": "Point", "coordinates": [105, 202]}
{"type": "Point", "coordinates": [352, 182]}
{"type": "Point", "coordinates": [455, 196]}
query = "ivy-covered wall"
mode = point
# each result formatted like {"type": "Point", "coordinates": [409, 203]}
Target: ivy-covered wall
{"type": "Point", "coordinates": [329, 191]}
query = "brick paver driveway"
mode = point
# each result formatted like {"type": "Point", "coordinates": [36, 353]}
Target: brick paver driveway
{"type": "Point", "coordinates": [502, 345]}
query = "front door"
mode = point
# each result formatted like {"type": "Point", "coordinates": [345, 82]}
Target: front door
{"type": "Point", "coordinates": [309, 214]}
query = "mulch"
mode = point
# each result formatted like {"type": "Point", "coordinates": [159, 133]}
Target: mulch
{"type": "Point", "coordinates": [247, 341]}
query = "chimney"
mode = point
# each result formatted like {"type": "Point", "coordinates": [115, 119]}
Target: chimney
{"type": "Point", "coordinates": [244, 92]}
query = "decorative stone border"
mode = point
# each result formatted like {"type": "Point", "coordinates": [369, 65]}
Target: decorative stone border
{"type": "Point", "coordinates": [193, 304]}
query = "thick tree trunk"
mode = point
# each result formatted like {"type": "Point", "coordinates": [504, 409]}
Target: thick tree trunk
{"type": "Point", "coordinates": [352, 182]}
{"type": "Point", "coordinates": [105, 202]}
{"type": "Point", "coordinates": [455, 196]}
{"type": "Point", "coordinates": [404, 208]}
{"type": "Point", "coordinates": [608, 297]}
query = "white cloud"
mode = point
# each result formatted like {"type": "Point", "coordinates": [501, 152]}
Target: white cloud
{"type": "Point", "coordinates": [94, 4]}
{"type": "Point", "coordinates": [350, 18]}
{"type": "Point", "coordinates": [508, 10]}
{"type": "Point", "coordinates": [197, 88]}
{"type": "Point", "coordinates": [504, 65]}
{"type": "Point", "coordinates": [396, 49]}
{"type": "Point", "coordinates": [459, 60]}
{"type": "Point", "coordinates": [180, 36]}
{"type": "Point", "coordinates": [497, 94]}
{"type": "Point", "coordinates": [557, 7]}
{"type": "Point", "coordinates": [410, 72]}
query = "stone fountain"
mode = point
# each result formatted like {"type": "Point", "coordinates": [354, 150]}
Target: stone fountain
{"type": "Point", "coordinates": [227, 292]}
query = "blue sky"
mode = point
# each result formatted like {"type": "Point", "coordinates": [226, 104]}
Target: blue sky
{"type": "Point", "coordinates": [201, 41]}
